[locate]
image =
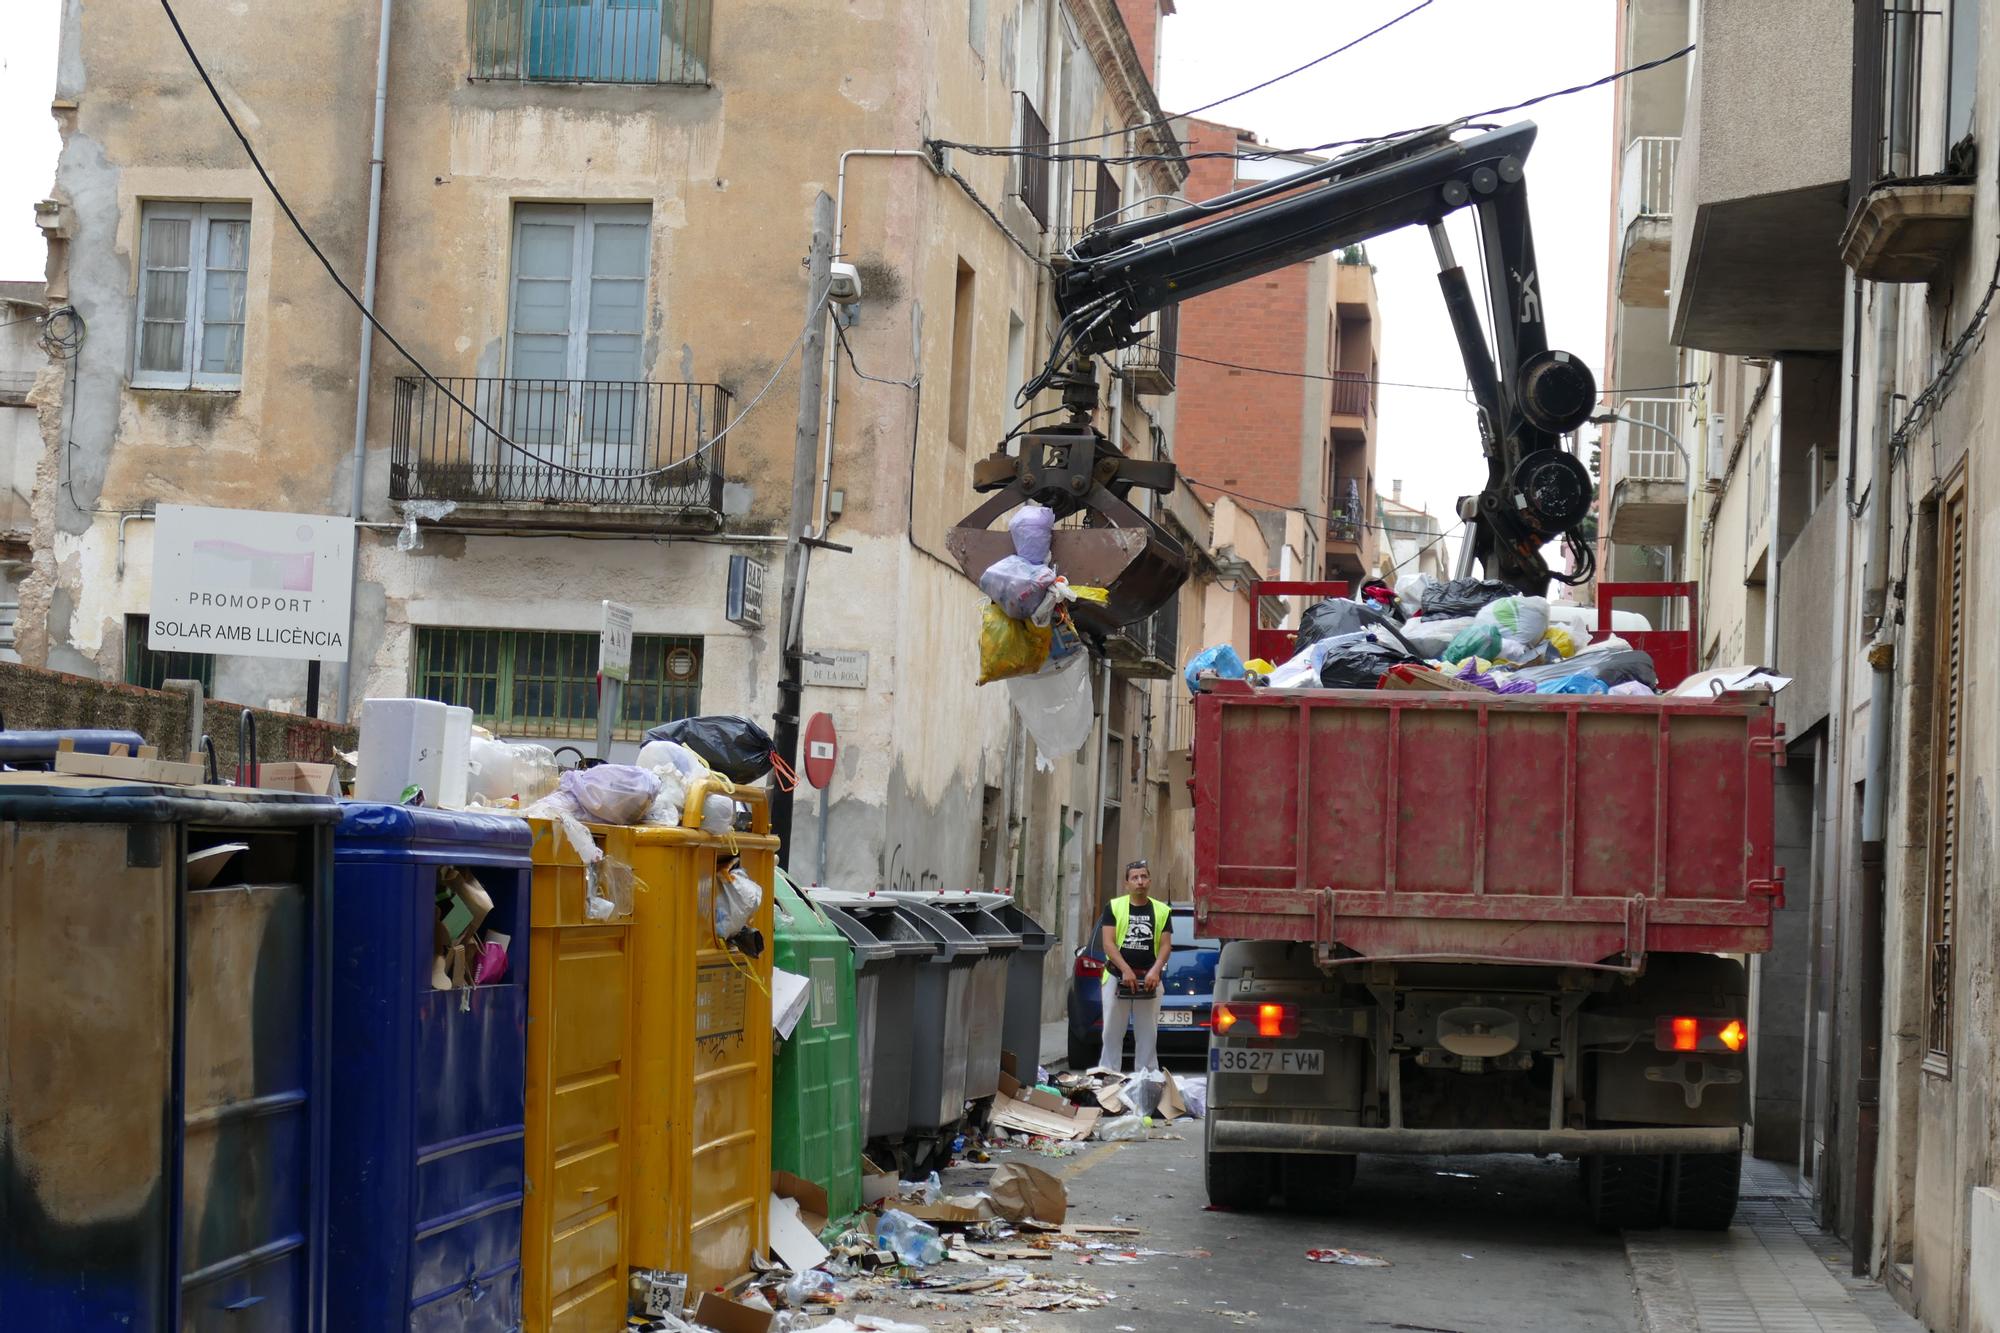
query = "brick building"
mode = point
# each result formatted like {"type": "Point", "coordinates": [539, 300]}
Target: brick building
{"type": "Point", "coordinates": [1306, 443]}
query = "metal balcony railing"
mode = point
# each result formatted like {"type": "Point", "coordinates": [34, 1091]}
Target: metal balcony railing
{"type": "Point", "coordinates": [1646, 179]}
{"type": "Point", "coordinates": [573, 442]}
{"type": "Point", "coordinates": [1353, 394]}
{"type": "Point", "coordinates": [1644, 440]}
{"type": "Point", "coordinates": [1095, 198]}
{"type": "Point", "coordinates": [1152, 362]}
{"type": "Point", "coordinates": [1031, 174]}
{"type": "Point", "coordinates": [591, 41]}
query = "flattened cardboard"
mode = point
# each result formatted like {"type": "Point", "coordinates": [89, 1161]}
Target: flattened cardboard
{"type": "Point", "coordinates": [876, 1184]}
{"type": "Point", "coordinates": [1022, 1192]}
{"type": "Point", "coordinates": [796, 1244]}
{"type": "Point", "coordinates": [812, 1200]}
{"type": "Point", "coordinates": [1027, 1118]}
{"type": "Point", "coordinates": [726, 1316]}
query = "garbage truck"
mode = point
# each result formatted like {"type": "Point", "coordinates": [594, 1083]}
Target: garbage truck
{"type": "Point", "coordinates": [1473, 923]}
{"type": "Point", "coordinates": [1455, 922]}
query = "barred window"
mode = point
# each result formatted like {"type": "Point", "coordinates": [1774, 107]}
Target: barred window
{"type": "Point", "coordinates": [543, 683]}
{"type": "Point", "coordinates": [145, 667]}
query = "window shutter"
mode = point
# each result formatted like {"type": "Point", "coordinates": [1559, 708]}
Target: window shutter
{"type": "Point", "coordinates": [1946, 747]}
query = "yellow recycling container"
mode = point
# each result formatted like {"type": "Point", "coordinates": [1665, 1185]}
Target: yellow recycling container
{"type": "Point", "coordinates": [575, 1219]}
{"type": "Point", "coordinates": [701, 1058]}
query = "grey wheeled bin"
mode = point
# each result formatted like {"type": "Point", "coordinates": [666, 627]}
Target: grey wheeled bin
{"type": "Point", "coordinates": [889, 949]}
{"type": "Point", "coordinates": [989, 987]}
{"type": "Point", "coordinates": [944, 1017]}
{"type": "Point", "coordinates": [1021, 1030]}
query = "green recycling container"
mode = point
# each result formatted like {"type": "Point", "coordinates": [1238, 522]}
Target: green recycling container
{"type": "Point", "coordinates": [816, 1080]}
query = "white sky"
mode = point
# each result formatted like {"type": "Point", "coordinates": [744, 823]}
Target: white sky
{"type": "Point", "coordinates": [28, 142]}
{"type": "Point", "coordinates": [1452, 59]}
{"type": "Point", "coordinates": [1455, 57]}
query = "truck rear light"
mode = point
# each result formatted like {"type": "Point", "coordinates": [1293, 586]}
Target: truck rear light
{"type": "Point", "coordinates": [1089, 968]}
{"type": "Point", "coordinates": [1262, 1020]}
{"type": "Point", "coordinates": [1685, 1033]}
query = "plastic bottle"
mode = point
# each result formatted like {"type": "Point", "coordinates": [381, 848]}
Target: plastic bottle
{"type": "Point", "coordinates": [915, 1243]}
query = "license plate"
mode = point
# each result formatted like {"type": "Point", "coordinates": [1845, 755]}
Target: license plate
{"type": "Point", "coordinates": [1264, 1060]}
{"type": "Point", "coordinates": [1176, 1018]}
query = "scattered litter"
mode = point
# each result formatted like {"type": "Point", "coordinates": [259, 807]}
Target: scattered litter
{"type": "Point", "coordinates": [1352, 1258]}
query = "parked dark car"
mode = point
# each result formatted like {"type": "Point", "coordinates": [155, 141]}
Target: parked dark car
{"type": "Point", "coordinates": [1185, 987]}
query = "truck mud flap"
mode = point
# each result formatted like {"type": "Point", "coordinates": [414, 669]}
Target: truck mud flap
{"type": "Point", "coordinates": [1255, 1136]}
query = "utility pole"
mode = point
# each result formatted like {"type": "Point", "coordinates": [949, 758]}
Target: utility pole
{"type": "Point", "coordinates": [812, 358]}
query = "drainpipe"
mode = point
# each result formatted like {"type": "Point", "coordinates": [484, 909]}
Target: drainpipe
{"type": "Point", "coordinates": [362, 377]}
{"type": "Point", "coordinates": [822, 518]}
{"type": "Point", "coordinates": [1103, 758]}
{"type": "Point", "coordinates": [1881, 700]}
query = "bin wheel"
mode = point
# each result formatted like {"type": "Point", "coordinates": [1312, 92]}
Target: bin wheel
{"type": "Point", "coordinates": [1701, 1189]}
{"type": "Point", "coordinates": [1625, 1190]}
{"type": "Point", "coordinates": [1241, 1181]}
{"type": "Point", "coordinates": [1314, 1183]}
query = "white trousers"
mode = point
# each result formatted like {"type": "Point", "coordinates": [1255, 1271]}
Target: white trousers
{"type": "Point", "coordinates": [1144, 1015]}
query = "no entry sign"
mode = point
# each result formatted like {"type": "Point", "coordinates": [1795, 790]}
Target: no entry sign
{"type": "Point", "coordinates": [822, 749]}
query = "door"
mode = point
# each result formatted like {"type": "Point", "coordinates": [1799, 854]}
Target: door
{"type": "Point", "coordinates": [575, 347]}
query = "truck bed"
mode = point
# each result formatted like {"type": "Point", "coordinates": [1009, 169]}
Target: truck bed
{"type": "Point", "coordinates": [1580, 831]}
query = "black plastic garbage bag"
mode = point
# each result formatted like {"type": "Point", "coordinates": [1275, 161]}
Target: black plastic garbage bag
{"type": "Point", "coordinates": [1360, 664]}
{"type": "Point", "coordinates": [1464, 597]}
{"type": "Point", "coordinates": [1613, 668]}
{"type": "Point", "coordinates": [735, 747]}
{"type": "Point", "coordinates": [1337, 616]}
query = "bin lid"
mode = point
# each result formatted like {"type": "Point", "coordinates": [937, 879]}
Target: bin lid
{"type": "Point", "coordinates": [884, 923]}
{"type": "Point", "coordinates": [1034, 935]}
{"type": "Point", "coordinates": [969, 912]}
{"type": "Point", "coordinates": [954, 938]}
{"type": "Point", "coordinates": [795, 914]}
{"type": "Point", "coordinates": [376, 830]}
{"type": "Point", "coordinates": [59, 798]}
{"type": "Point", "coordinates": [868, 946]}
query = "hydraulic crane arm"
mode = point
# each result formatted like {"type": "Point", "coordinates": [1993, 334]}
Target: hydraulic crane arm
{"type": "Point", "coordinates": [1527, 396]}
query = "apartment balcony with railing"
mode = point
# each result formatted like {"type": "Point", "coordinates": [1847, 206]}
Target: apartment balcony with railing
{"type": "Point", "coordinates": [591, 41]}
{"type": "Point", "coordinates": [1647, 494]}
{"type": "Point", "coordinates": [1147, 649]}
{"type": "Point", "coordinates": [1353, 398]}
{"type": "Point", "coordinates": [595, 453]}
{"type": "Point", "coordinates": [1645, 219]}
{"type": "Point", "coordinates": [1151, 362]}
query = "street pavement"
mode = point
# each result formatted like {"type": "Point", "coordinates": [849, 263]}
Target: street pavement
{"type": "Point", "coordinates": [1473, 1245]}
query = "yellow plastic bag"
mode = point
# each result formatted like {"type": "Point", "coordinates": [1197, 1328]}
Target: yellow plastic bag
{"type": "Point", "coordinates": [1009, 647]}
{"type": "Point", "coordinates": [1565, 645]}
{"type": "Point", "coordinates": [1086, 593]}
{"type": "Point", "coordinates": [1257, 666]}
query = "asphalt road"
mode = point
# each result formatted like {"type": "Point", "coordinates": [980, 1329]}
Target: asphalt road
{"type": "Point", "coordinates": [1473, 1244]}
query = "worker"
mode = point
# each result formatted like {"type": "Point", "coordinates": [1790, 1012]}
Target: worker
{"type": "Point", "coordinates": [1136, 941]}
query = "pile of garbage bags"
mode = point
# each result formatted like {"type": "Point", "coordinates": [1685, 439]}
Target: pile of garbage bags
{"type": "Point", "coordinates": [1475, 631]}
{"type": "Point", "coordinates": [1026, 637]}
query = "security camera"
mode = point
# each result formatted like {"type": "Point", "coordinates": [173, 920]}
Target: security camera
{"type": "Point", "coordinates": [843, 284]}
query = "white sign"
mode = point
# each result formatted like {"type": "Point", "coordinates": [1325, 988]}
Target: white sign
{"type": "Point", "coordinates": [820, 750]}
{"type": "Point", "coordinates": [250, 583]}
{"type": "Point", "coordinates": [843, 669]}
{"type": "Point", "coordinates": [614, 643]}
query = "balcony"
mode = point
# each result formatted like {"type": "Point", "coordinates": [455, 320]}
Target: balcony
{"type": "Point", "coordinates": [1096, 199]}
{"type": "Point", "coordinates": [591, 41]}
{"type": "Point", "coordinates": [602, 454]}
{"type": "Point", "coordinates": [1351, 403]}
{"type": "Point", "coordinates": [1031, 174]}
{"type": "Point", "coordinates": [1148, 649]}
{"type": "Point", "coordinates": [1645, 220]}
{"type": "Point", "coordinates": [1761, 179]}
{"type": "Point", "coordinates": [1151, 363]}
{"type": "Point", "coordinates": [1647, 504]}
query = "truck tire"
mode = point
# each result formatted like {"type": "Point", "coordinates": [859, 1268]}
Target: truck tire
{"type": "Point", "coordinates": [1701, 1190]}
{"type": "Point", "coordinates": [1240, 1181]}
{"type": "Point", "coordinates": [1625, 1190]}
{"type": "Point", "coordinates": [1315, 1183]}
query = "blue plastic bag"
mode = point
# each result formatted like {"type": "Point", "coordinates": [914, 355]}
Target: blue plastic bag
{"type": "Point", "coordinates": [1580, 683]}
{"type": "Point", "coordinates": [1221, 659]}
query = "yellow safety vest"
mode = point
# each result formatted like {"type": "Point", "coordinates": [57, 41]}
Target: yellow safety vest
{"type": "Point", "coordinates": [1121, 917]}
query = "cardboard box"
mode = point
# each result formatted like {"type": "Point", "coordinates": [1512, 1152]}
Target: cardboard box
{"type": "Point", "coordinates": [285, 775]}
{"type": "Point", "coordinates": [718, 1312]}
{"type": "Point", "coordinates": [797, 1215]}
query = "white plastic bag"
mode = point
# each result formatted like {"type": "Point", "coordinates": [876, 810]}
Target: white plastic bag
{"type": "Point", "coordinates": [1017, 586]}
{"type": "Point", "coordinates": [718, 814]}
{"type": "Point", "coordinates": [737, 898]}
{"type": "Point", "coordinates": [1032, 528]}
{"type": "Point", "coordinates": [671, 801]}
{"type": "Point", "coordinates": [656, 755]}
{"type": "Point", "coordinates": [1054, 705]}
{"type": "Point", "coordinates": [1120, 1129]}
{"type": "Point", "coordinates": [1518, 617]}
{"type": "Point", "coordinates": [1707, 684]}
{"type": "Point", "coordinates": [608, 886]}
{"type": "Point", "coordinates": [611, 793]}
{"type": "Point", "coordinates": [1142, 1091]}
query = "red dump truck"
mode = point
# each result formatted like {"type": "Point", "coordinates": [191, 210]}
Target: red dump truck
{"type": "Point", "coordinates": [1470, 923]}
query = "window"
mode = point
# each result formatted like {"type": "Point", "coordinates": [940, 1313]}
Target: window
{"type": "Point", "coordinates": [194, 262]}
{"type": "Point", "coordinates": [576, 330]}
{"type": "Point", "coordinates": [1017, 365]}
{"type": "Point", "coordinates": [1962, 73]}
{"type": "Point", "coordinates": [592, 41]}
{"type": "Point", "coordinates": [1947, 734]}
{"type": "Point", "coordinates": [147, 668]}
{"type": "Point", "coordinates": [975, 26]}
{"type": "Point", "coordinates": [544, 682]}
{"type": "Point", "coordinates": [957, 418]}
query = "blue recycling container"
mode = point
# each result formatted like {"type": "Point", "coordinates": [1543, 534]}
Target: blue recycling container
{"type": "Point", "coordinates": [429, 1094]}
{"type": "Point", "coordinates": [163, 1056]}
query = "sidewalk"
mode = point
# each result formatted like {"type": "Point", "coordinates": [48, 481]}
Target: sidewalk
{"type": "Point", "coordinates": [1775, 1271]}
